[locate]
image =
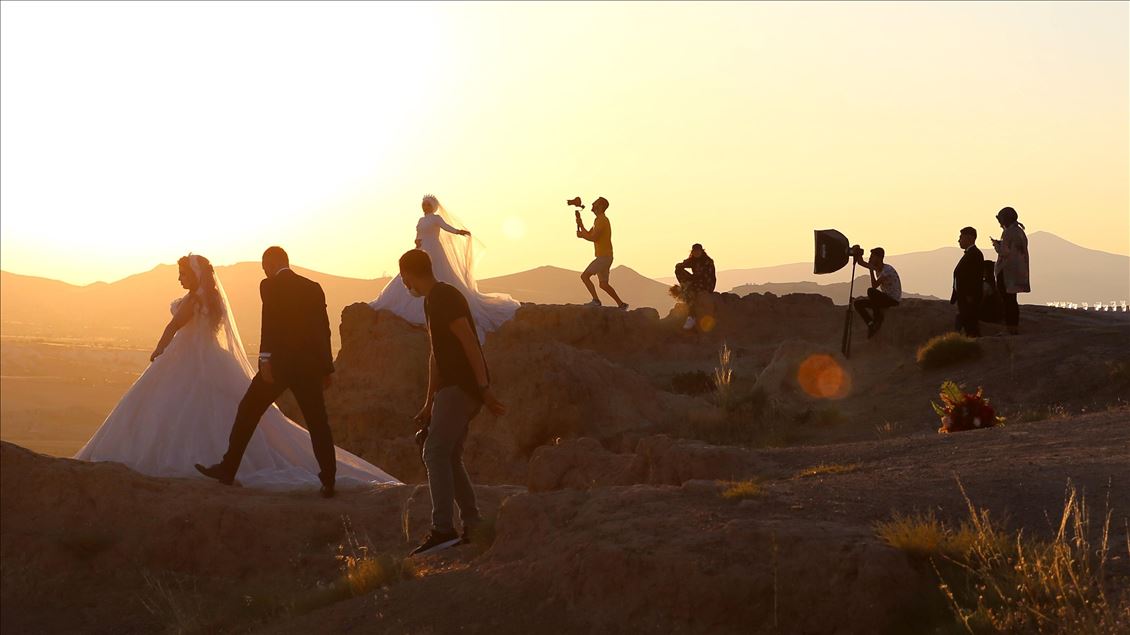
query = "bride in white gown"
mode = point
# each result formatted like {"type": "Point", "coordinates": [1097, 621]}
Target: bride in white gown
{"type": "Point", "coordinates": [450, 249]}
{"type": "Point", "coordinates": [180, 411]}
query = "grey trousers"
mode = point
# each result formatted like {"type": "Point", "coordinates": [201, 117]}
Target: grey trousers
{"type": "Point", "coordinates": [452, 411]}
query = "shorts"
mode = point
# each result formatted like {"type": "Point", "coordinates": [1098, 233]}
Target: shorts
{"type": "Point", "coordinates": [601, 266]}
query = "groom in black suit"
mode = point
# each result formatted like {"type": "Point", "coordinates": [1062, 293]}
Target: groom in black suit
{"type": "Point", "coordinates": [294, 354]}
{"type": "Point", "coordinates": [967, 287]}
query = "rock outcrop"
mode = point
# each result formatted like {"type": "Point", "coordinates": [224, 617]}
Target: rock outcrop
{"type": "Point", "coordinates": [657, 460]}
{"type": "Point", "coordinates": [567, 372]}
{"type": "Point", "coordinates": [552, 390]}
{"type": "Point", "coordinates": [735, 569]}
{"type": "Point", "coordinates": [641, 540]}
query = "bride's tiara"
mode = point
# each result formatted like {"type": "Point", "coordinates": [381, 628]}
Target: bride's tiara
{"type": "Point", "coordinates": [431, 198]}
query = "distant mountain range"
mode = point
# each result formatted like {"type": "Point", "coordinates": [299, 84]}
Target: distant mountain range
{"type": "Point", "coordinates": [1061, 272]}
{"type": "Point", "coordinates": [135, 309]}
{"type": "Point", "coordinates": [837, 291]}
{"type": "Point", "coordinates": [553, 285]}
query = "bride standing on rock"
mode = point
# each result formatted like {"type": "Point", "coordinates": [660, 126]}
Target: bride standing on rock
{"type": "Point", "coordinates": [179, 411]}
{"type": "Point", "coordinates": [450, 250]}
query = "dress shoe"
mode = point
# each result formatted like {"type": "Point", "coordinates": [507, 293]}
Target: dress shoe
{"type": "Point", "coordinates": [217, 472]}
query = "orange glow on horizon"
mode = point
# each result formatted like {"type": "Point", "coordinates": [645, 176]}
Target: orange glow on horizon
{"type": "Point", "coordinates": [742, 126]}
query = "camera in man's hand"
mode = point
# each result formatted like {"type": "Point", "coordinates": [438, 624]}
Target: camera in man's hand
{"type": "Point", "coordinates": [856, 251]}
{"type": "Point", "coordinates": [576, 202]}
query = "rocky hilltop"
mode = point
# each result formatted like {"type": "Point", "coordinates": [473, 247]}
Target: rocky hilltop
{"type": "Point", "coordinates": [600, 542]}
{"type": "Point", "coordinates": [572, 371]}
{"type": "Point", "coordinates": [626, 490]}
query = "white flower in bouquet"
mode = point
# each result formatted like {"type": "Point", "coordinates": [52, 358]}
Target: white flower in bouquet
{"type": "Point", "coordinates": [976, 422]}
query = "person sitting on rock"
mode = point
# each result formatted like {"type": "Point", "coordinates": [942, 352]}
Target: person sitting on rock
{"type": "Point", "coordinates": [693, 284]}
{"type": "Point", "coordinates": [885, 291]}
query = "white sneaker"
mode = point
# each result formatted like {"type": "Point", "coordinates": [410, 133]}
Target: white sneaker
{"type": "Point", "coordinates": [594, 303]}
{"type": "Point", "coordinates": [689, 324]}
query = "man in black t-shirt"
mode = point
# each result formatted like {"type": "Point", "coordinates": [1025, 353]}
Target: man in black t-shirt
{"type": "Point", "coordinates": [458, 387]}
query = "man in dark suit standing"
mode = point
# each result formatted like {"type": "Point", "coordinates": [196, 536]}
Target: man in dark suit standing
{"type": "Point", "coordinates": [294, 354]}
{"type": "Point", "coordinates": [967, 287]}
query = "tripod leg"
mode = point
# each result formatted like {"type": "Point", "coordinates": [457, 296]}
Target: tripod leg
{"type": "Point", "coordinates": [846, 346]}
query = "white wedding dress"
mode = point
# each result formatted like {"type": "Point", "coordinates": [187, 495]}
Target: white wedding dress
{"type": "Point", "coordinates": [453, 263]}
{"type": "Point", "coordinates": [180, 412]}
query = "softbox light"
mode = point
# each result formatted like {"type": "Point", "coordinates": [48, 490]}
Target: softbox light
{"type": "Point", "coordinates": [831, 251]}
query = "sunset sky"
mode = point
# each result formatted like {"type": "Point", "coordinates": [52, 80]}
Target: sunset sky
{"type": "Point", "coordinates": [133, 133]}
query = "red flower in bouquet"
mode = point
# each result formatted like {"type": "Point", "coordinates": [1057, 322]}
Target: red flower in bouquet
{"type": "Point", "coordinates": [964, 411]}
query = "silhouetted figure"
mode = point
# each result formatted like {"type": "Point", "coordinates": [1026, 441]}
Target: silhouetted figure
{"type": "Point", "coordinates": [967, 284]}
{"type": "Point", "coordinates": [700, 280]}
{"type": "Point", "coordinates": [458, 388]}
{"type": "Point", "coordinates": [601, 266]}
{"type": "Point", "coordinates": [990, 297]}
{"type": "Point", "coordinates": [885, 291]}
{"type": "Point", "coordinates": [453, 261]}
{"type": "Point", "coordinates": [295, 355]}
{"type": "Point", "coordinates": [1012, 266]}
{"type": "Point", "coordinates": [178, 410]}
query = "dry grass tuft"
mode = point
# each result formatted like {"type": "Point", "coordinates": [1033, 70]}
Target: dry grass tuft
{"type": "Point", "coordinates": [363, 570]}
{"type": "Point", "coordinates": [174, 601]}
{"type": "Point", "coordinates": [1043, 413]}
{"type": "Point", "coordinates": [999, 582]}
{"type": "Point", "coordinates": [887, 429]}
{"type": "Point", "coordinates": [827, 468]}
{"type": "Point", "coordinates": [724, 378]}
{"type": "Point", "coordinates": [924, 536]}
{"type": "Point", "coordinates": [741, 490]}
{"type": "Point", "coordinates": [946, 350]}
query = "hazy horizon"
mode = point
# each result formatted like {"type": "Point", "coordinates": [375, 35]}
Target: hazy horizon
{"type": "Point", "coordinates": [741, 126]}
{"type": "Point", "coordinates": [829, 279]}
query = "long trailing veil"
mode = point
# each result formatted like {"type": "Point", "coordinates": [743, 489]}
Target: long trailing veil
{"type": "Point", "coordinates": [227, 335]}
{"type": "Point", "coordinates": [453, 261]}
{"type": "Point", "coordinates": [461, 257]}
{"type": "Point", "coordinates": [490, 310]}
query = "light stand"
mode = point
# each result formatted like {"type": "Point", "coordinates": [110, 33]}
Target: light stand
{"type": "Point", "coordinates": [833, 254]}
{"type": "Point", "coordinates": [850, 315]}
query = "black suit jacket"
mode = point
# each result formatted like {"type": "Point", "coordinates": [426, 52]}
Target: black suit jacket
{"type": "Point", "coordinates": [296, 329]}
{"type": "Point", "coordinates": [967, 276]}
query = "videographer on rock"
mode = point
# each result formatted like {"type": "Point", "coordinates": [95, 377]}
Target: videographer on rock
{"type": "Point", "coordinates": [885, 291]}
{"type": "Point", "coordinates": [693, 284]}
{"type": "Point", "coordinates": [601, 266]}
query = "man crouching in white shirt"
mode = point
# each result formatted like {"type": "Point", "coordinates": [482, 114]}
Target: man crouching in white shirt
{"type": "Point", "coordinates": [885, 291]}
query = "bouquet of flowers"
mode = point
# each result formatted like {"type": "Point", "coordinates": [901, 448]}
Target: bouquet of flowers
{"type": "Point", "coordinates": [964, 411]}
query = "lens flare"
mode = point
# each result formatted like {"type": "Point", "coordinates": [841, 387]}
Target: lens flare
{"type": "Point", "coordinates": [822, 377]}
{"type": "Point", "coordinates": [514, 228]}
{"type": "Point", "coordinates": [707, 323]}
